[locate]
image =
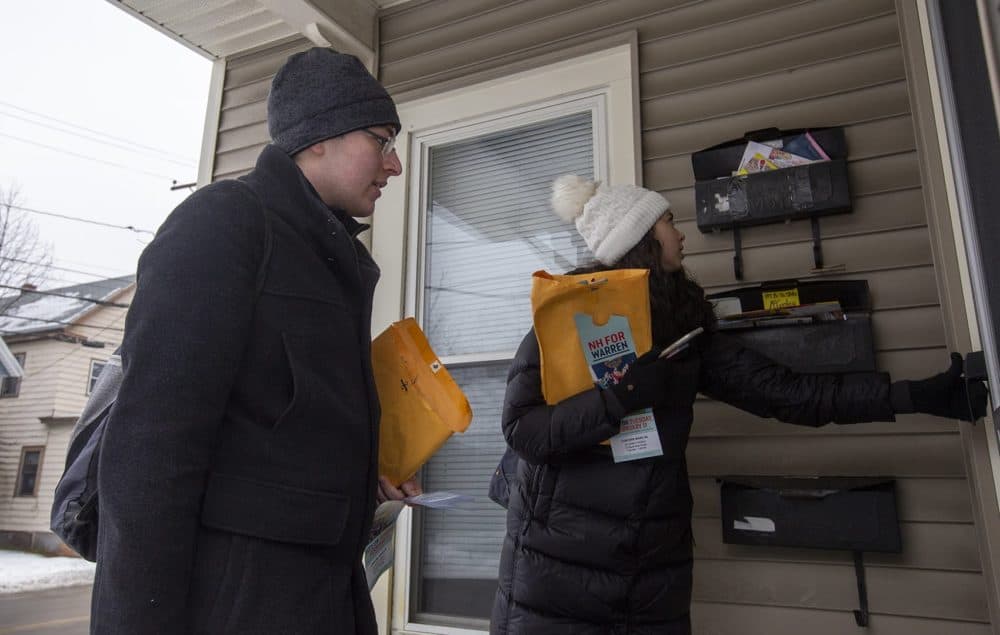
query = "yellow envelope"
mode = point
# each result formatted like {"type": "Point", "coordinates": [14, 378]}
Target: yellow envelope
{"type": "Point", "coordinates": [422, 406]}
{"type": "Point", "coordinates": [555, 301]}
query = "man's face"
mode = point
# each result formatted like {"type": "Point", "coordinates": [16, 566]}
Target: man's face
{"type": "Point", "coordinates": [350, 170]}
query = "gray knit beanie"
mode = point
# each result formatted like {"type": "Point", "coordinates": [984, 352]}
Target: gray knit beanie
{"type": "Point", "coordinates": [319, 94]}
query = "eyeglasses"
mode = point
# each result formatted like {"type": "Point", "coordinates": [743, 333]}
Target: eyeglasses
{"type": "Point", "coordinates": [386, 144]}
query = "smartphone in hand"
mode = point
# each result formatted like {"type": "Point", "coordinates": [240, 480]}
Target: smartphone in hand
{"type": "Point", "coordinates": [680, 344]}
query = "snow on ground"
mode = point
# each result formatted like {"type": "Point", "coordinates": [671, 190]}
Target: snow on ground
{"type": "Point", "coordinates": [21, 572]}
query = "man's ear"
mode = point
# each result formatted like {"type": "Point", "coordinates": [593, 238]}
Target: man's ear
{"type": "Point", "coordinates": [303, 156]}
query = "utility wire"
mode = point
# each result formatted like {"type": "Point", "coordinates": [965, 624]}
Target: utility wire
{"type": "Point", "coordinates": [87, 157]}
{"type": "Point", "coordinates": [115, 272]}
{"type": "Point", "coordinates": [121, 146]}
{"type": "Point", "coordinates": [97, 132]}
{"type": "Point", "coordinates": [82, 220]}
{"type": "Point", "coordinates": [86, 326]}
{"type": "Point", "coordinates": [63, 295]}
{"type": "Point", "coordinates": [46, 280]}
{"type": "Point", "coordinates": [51, 266]}
{"type": "Point", "coordinates": [52, 281]}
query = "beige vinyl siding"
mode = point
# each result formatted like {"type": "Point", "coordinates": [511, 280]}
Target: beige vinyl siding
{"type": "Point", "coordinates": [709, 71]}
{"type": "Point", "coordinates": [20, 426]}
{"type": "Point", "coordinates": [242, 129]}
{"type": "Point", "coordinates": [103, 324]}
{"type": "Point", "coordinates": [54, 386]}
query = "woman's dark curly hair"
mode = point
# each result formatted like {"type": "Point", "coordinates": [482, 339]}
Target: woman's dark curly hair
{"type": "Point", "coordinates": [676, 301]}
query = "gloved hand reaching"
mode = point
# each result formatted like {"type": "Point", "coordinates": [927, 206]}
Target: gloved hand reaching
{"type": "Point", "coordinates": [644, 384]}
{"type": "Point", "coordinates": [946, 394]}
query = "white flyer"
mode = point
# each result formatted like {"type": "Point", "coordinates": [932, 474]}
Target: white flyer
{"type": "Point", "coordinates": [637, 437]}
{"type": "Point", "coordinates": [380, 551]}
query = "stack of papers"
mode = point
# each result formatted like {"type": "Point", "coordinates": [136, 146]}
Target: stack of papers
{"type": "Point", "coordinates": [801, 314]}
{"type": "Point", "coordinates": [775, 155]}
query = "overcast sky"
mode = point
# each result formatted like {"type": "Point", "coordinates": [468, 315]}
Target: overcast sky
{"type": "Point", "coordinates": [99, 113]}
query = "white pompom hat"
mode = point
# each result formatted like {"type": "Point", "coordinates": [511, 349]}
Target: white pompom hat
{"type": "Point", "coordinates": [611, 218]}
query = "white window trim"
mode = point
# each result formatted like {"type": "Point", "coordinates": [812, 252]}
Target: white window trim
{"type": "Point", "coordinates": [90, 373]}
{"type": "Point", "coordinates": [421, 143]}
{"type": "Point", "coordinates": [611, 72]}
{"type": "Point", "coordinates": [606, 81]}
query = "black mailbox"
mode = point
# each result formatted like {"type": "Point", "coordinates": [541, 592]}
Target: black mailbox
{"type": "Point", "coordinates": [851, 513]}
{"type": "Point", "coordinates": [839, 346]}
{"type": "Point", "coordinates": [725, 199]}
{"type": "Point", "coordinates": [802, 191]}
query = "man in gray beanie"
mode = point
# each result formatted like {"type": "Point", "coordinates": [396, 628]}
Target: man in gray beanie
{"type": "Point", "coordinates": [238, 472]}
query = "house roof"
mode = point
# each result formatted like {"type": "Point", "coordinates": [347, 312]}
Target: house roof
{"type": "Point", "coordinates": [32, 312]}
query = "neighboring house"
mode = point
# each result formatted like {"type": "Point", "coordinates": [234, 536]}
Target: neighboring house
{"type": "Point", "coordinates": [61, 338]}
{"type": "Point", "coordinates": [496, 96]}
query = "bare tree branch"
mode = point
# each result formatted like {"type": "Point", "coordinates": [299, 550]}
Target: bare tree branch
{"type": "Point", "coordinates": [24, 258]}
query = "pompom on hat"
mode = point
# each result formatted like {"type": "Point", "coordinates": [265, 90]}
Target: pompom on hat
{"type": "Point", "coordinates": [319, 94]}
{"type": "Point", "coordinates": [610, 218]}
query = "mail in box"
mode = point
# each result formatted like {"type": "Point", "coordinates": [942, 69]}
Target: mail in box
{"type": "Point", "coordinates": [724, 198]}
{"type": "Point", "coordinates": [803, 343]}
{"type": "Point", "coordinates": [851, 513]}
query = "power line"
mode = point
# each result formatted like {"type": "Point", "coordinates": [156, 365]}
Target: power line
{"type": "Point", "coordinates": [86, 326]}
{"type": "Point", "coordinates": [121, 146]}
{"type": "Point", "coordinates": [87, 157]}
{"type": "Point", "coordinates": [97, 132]}
{"type": "Point", "coordinates": [51, 266]}
{"type": "Point", "coordinates": [81, 219]}
{"type": "Point", "coordinates": [63, 295]}
{"type": "Point", "coordinates": [116, 273]}
{"type": "Point", "coordinates": [51, 281]}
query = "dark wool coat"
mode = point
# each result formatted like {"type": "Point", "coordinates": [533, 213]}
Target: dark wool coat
{"type": "Point", "coordinates": [238, 471]}
{"type": "Point", "coordinates": [598, 548]}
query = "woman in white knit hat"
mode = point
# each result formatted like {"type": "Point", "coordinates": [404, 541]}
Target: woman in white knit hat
{"type": "Point", "coordinates": [598, 547]}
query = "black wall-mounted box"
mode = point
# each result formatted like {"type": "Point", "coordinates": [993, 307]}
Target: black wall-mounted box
{"type": "Point", "coordinates": [852, 513]}
{"type": "Point", "coordinates": [823, 347]}
{"type": "Point", "coordinates": [723, 201]}
{"type": "Point", "coordinates": [843, 346]}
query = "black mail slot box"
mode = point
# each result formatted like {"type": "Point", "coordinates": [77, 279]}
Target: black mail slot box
{"type": "Point", "coordinates": [853, 295]}
{"type": "Point", "coordinates": [853, 513]}
{"type": "Point", "coordinates": [839, 346]}
{"type": "Point", "coordinates": [723, 201]}
{"type": "Point", "coordinates": [822, 347]}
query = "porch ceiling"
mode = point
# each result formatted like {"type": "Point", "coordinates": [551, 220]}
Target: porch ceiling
{"type": "Point", "coordinates": [222, 28]}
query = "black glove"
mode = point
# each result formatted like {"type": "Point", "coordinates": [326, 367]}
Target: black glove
{"type": "Point", "coordinates": [644, 384]}
{"type": "Point", "coordinates": [946, 394]}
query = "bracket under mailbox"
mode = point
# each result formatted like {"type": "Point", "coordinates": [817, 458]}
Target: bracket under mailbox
{"type": "Point", "coordinates": [851, 513]}
{"type": "Point", "coordinates": [728, 201]}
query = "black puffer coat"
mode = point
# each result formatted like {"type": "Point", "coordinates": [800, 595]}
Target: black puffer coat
{"type": "Point", "coordinates": [238, 470]}
{"type": "Point", "coordinates": [594, 547]}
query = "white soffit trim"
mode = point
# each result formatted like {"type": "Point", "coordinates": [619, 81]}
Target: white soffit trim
{"type": "Point", "coordinates": [319, 28]}
{"type": "Point", "coordinates": [210, 133]}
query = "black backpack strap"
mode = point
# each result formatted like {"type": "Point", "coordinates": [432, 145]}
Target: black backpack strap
{"type": "Point", "coordinates": [268, 242]}
{"type": "Point", "coordinates": [268, 239]}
